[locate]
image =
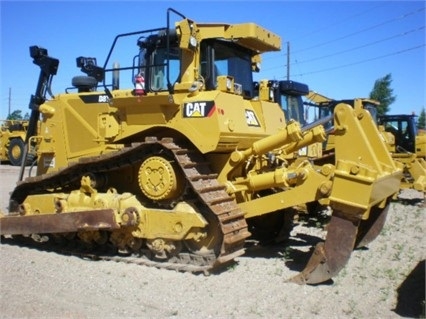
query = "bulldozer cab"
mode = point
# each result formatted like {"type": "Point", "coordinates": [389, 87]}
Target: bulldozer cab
{"type": "Point", "coordinates": [158, 60]}
{"type": "Point", "coordinates": [216, 57]}
{"type": "Point", "coordinates": [290, 99]}
{"type": "Point", "coordinates": [288, 94]}
{"type": "Point", "coordinates": [220, 57]}
{"type": "Point", "coordinates": [403, 128]}
{"type": "Point", "coordinates": [188, 57]}
{"type": "Point", "coordinates": [327, 108]}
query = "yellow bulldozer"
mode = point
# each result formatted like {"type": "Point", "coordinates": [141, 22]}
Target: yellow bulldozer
{"type": "Point", "coordinates": [12, 142]}
{"type": "Point", "coordinates": [406, 145]}
{"type": "Point", "coordinates": [190, 159]}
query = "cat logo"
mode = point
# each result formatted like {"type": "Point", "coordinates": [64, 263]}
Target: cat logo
{"type": "Point", "coordinates": [198, 109]}
{"type": "Point", "coordinates": [251, 118]}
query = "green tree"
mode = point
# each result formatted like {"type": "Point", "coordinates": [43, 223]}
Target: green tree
{"type": "Point", "coordinates": [421, 123]}
{"type": "Point", "coordinates": [15, 115]}
{"type": "Point", "coordinates": [382, 92]}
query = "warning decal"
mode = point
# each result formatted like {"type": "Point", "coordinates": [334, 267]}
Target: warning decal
{"type": "Point", "coordinates": [251, 118]}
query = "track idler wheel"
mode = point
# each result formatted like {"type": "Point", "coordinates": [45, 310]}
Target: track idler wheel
{"type": "Point", "coordinates": [164, 248]}
{"type": "Point", "coordinates": [330, 257]}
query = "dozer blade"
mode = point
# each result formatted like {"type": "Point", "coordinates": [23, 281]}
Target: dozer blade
{"type": "Point", "coordinates": [330, 257]}
{"type": "Point", "coordinates": [58, 223]}
{"type": "Point", "coordinates": [369, 229]}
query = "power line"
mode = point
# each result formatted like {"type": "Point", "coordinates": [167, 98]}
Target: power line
{"type": "Point", "coordinates": [349, 50]}
{"type": "Point", "coordinates": [362, 46]}
{"type": "Point", "coordinates": [330, 25]}
{"type": "Point", "coordinates": [349, 35]}
{"type": "Point", "coordinates": [362, 61]}
{"type": "Point", "coordinates": [361, 31]}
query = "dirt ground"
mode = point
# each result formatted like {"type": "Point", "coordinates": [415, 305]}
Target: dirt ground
{"type": "Point", "coordinates": [385, 280]}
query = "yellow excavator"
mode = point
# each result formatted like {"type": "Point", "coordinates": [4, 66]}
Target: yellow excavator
{"type": "Point", "coordinates": [406, 145]}
{"type": "Point", "coordinates": [178, 168]}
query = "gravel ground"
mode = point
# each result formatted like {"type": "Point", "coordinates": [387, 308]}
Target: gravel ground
{"type": "Point", "coordinates": [385, 280]}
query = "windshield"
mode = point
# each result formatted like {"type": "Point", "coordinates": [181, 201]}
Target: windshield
{"type": "Point", "coordinates": [372, 109]}
{"type": "Point", "coordinates": [323, 112]}
{"type": "Point", "coordinates": [158, 72]}
{"type": "Point", "coordinates": [219, 57]}
{"type": "Point", "coordinates": [293, 108]}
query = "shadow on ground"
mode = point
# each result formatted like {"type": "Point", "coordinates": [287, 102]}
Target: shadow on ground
{"type": "Point", "coordinates": [411, 294]}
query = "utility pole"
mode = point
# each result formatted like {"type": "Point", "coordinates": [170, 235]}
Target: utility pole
{"type": "Point", "coordinates": [288, 61]}
{"type": "Point", "coordinates": [10, 100]}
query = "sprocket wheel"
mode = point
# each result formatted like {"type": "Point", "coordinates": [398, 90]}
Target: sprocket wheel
{"type": "Point", "coordinates": [160, 180]}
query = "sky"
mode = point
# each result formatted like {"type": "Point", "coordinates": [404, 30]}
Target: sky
{"type": "Point", "coordinates": [338, 48]}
